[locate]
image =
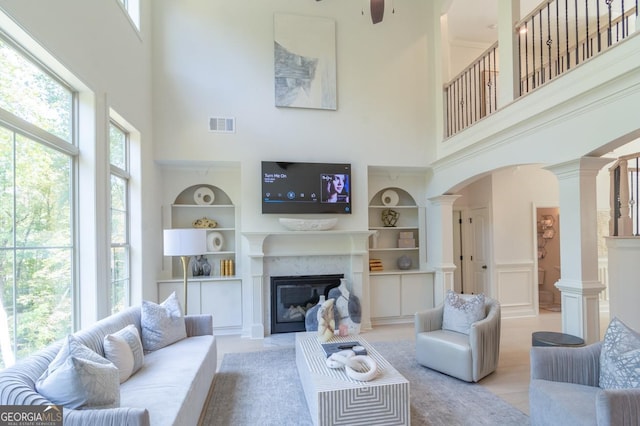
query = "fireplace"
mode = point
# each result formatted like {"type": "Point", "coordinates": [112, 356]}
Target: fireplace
{"type": "Point", "coordinates": [292, 296]}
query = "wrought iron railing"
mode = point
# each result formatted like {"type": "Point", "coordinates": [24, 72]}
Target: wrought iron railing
{"type": "Point", "coordinates": [473, 93]}
{"type": "Point", "coordinates": [554, 38]}
{"type": "Point", "coordinates": [561, 34]}
{"type": "Point", "coordinates": [625, 192]}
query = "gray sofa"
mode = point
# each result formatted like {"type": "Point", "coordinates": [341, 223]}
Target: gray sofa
{"type": "Point", "coordinates": [170, 389]}
{"type": "Point", "coordinates": [564, 390]}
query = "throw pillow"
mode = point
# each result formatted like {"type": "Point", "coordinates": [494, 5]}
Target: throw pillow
{"type": "Point", "coordinates": [620, 357]}
{"type": "Point", "coordinates": [79, 378]}
{"type": "Point", "coordinates": [124, 349]}
{"type": "Point", "coordinates": [162, 324]}
{"type": "Point", "coordinates": [460, 311]}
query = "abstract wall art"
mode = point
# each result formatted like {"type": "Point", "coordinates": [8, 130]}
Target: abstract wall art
{"type": "Point", "coordinates": [305, 62]}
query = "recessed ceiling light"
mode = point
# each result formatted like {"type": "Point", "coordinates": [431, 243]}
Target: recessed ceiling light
{"type": "Point", "coordinates": [492, 26]}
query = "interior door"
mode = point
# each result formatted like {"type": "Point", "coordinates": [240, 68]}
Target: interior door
{"type": "Point", "coordinates": [479, 253]}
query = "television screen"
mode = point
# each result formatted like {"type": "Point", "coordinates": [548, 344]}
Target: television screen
{"type": "Point", "coordinates": [306, 187]}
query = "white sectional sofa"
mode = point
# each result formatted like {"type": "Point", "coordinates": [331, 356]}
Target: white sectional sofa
{"type": "Point", "coordinates": [171, 388]}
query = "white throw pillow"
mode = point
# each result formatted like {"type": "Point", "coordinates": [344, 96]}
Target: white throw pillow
{"type": "Point", "coordinates": [460, 311]}
{"type": "Point", "coordinates": [620, 357]}
{"type": "Point", "coordinates": [162, 324]}
{"type": "Point", "coordinates": [79, 378]}
{"type": "Point", "coordinates": [124, 349]}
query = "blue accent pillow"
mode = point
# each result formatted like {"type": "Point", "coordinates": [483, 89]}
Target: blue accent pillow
{"type": "Point", "coordinates": [79, 378]}
{"type": "Point", "coordinates": [162, 324]}
{"type": "Point", "coordinates": [620, 357]}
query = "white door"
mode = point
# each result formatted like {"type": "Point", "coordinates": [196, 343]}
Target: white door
{"type": "Point", "coordinates": [479, 252]}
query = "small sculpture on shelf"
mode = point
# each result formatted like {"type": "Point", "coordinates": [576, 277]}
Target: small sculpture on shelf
{"type": "Point", "coordinates": [200, 266]}
{"type": "Point", "coordinates": [195, 266]}
{"type": "Point", "coordinates": [390, 217]}
{"type": "Point", "coordinates": [404, 262]}
{"type": "Point", "coordinates": [205, 266]}
{"type": "Point", "coordinates": [205, 222]}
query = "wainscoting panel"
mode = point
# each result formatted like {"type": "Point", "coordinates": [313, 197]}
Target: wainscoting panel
{"type": "Point", "coordinates": [515, 289]}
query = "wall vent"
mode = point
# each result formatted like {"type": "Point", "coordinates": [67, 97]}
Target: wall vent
{"type": "Point", "coordinates": [222, 124]}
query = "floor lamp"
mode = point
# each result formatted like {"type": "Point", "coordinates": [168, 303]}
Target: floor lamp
{"type": "Point", "coordinates": [185, 242]}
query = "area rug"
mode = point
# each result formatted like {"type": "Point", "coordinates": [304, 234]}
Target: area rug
{"type": "Point", "coordinates": [263, 388]}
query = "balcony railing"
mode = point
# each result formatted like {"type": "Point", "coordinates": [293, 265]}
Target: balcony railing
{"type": "Point", "coordinates": [625, 193]}
{"type": "Point", "coordinates": [561, 34]}
{"type": "Point", "coordinates": [473, 93]}
{"type": "Point", "coordinates": [553, 39]}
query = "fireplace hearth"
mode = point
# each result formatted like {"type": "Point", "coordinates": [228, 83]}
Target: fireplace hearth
{"type": "Point", "coordinates": [292, 296]}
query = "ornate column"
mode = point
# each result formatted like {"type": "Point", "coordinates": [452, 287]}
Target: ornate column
{"type": "Point", "coordinates": [579, 283]}
{"type": "Point", "coordinates": [440, 243]}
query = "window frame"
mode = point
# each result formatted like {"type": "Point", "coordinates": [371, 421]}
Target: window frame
{"type": "Point", "coordinates": [125, 176]}
{"type": "Point", "coordinates": [69, 149]}
{"type": "Point", "coordinates": [132, 10]}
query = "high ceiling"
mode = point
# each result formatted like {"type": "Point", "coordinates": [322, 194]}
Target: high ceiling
{"type": "Point", "coordinates": [475, 20]}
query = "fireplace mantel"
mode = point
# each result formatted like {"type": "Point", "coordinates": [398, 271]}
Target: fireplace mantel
{"type": "Point", "coordinates": [307, 244]}
{"type": "Point", "coordinates": [292, 243]}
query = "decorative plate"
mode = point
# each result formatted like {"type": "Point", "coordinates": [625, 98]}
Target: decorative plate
{"type": "Point", "coordinates": [390, 198]}
{"type": "Point", "coordinates": [203, 196]}
{"type": "Point", "coordinates": [215, 240]}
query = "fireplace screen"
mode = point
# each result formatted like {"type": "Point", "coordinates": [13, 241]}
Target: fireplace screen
{"type": "Point", "coordinates": [292, 296]}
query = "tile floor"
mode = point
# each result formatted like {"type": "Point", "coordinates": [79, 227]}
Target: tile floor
{"type": "Point", "coordinates": [510, 381]}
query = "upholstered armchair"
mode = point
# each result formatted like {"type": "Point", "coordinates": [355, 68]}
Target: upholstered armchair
{"type": "Point", "coordinates": [590, 385]}
{"type": "Point", "coordinates": [469, 357]}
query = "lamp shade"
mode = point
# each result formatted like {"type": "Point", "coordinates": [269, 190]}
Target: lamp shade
{"type": "Point", "coordinates": [185, 242]}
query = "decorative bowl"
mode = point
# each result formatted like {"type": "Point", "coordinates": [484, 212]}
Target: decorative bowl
{"type": "Point", "coordinates": [294, 224]}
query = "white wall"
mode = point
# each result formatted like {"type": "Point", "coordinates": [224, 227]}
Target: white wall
{"type": "Point", "coordinates": [462, 54]}
{"type": "Point", "coordinates": [216, 58]}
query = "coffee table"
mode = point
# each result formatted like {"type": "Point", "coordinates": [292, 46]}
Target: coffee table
{"type": "Point", "coordinates": [336, 399]}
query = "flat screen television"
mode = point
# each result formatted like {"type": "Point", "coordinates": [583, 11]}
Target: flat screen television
{"type": "Point", "coordinates": [306, 187]}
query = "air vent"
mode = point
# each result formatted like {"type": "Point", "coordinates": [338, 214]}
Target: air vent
{"type": "Point", "coordinates": [222, 124]}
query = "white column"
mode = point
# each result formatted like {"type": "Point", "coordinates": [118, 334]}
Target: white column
{"type": "Point", "coordinates": [360, 275]}
{"type": "Point", "coordinates": [624, 291]}
{"type": "Point", "coordinates": [508, 78]}
{"type": "Point", "coordinates": [440, 244]}
{"type": "Point", "coordinates": [579, 283]}
{"type": "Point", "coordinates": [252, 294]}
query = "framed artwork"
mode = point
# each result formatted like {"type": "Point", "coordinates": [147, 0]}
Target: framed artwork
{"type": "Point", "coordinates": [305, 62]}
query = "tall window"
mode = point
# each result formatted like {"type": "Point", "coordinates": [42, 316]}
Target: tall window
{"type": "Point", "coordinates": [120, 247]}
{"type": "Point", "coordinates": [133, 10]}
{"type": "Point", "coordinates": [37, 249]}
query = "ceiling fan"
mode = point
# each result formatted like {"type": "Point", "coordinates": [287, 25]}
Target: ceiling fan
{"type": "Point", "coordinates": [377, 10]}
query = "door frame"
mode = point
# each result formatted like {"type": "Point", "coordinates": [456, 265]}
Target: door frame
{"type": "Point", "coordinates": [467, 251]}
{"type": "Point", "coordinates": [534, 208]}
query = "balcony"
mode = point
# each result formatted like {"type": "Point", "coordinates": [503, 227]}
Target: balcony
{"type": "Point", "coordinates": [553, 39]}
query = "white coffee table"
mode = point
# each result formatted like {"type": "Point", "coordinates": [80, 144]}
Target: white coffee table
{"type": "Point", "coordinates": [336, 399]}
